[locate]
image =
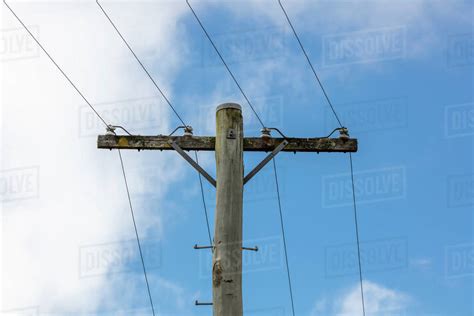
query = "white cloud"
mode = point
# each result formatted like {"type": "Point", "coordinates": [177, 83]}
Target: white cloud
{"type": "Point", "coordinates": [423, 23]}
{"type": "Point", "coordinates": [379, 301]}
{"type": "Point", "coordinates": [82, 199]}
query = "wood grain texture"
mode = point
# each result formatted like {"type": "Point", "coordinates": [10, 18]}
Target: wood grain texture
{"type": "Point", "coordinates": [208, 143]}
{"type": "Point", "coordinates": [227, 256]}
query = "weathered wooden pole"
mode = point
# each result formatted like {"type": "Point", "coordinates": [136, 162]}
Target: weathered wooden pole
{"type": "Point", "coordinates": [229, 145]}
{"type": "Point", "coordinates": [227, 256]}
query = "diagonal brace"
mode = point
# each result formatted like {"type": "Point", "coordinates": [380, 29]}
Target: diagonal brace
{"type": "Point", "coordinates": [194, 164]}
{"type": "Point", "coordinates": [265, 161]}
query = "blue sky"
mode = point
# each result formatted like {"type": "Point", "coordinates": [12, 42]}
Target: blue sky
{"type": "Point", "coordinates": [400, 75]}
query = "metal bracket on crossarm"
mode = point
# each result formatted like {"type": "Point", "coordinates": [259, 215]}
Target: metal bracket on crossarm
{"type": "Point", "coordinates": [265, 161]}
{"type": "Point", "coordinates": [194, 164]}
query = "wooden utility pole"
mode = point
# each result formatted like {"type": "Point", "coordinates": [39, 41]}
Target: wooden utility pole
{"type": "Point", "coordinates": [227, 259]}
{"type": "Point", "coordinates": [229, 145]}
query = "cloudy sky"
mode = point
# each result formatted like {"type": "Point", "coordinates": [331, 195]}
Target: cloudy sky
{"type": "Point", "coordinates": [400, 75]}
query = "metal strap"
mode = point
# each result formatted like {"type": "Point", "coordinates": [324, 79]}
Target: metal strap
{"type": "Point", "coordinates": [193, 163]}
{"type": "Point", "coordinates": [265, 161]}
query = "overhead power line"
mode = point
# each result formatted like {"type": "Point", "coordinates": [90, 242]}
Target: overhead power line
{"type": "Point", "coordinates": [283, 234]}
{"type": "Point", "coordinates": [141, 64]}
{"type": "Point", "coordinates": [186, 127]}
{"type": "Point", "coordinates": [350, 154]}
{"type": "Point", "coordinates": [108, 127]}
{"type": "Point", "coordinates": [357, 235]}
{"type": "Point", "coordinates": [310, 64]}
{"type": "Point", "coordinates": [181, 120]}
{"type": "Point", "coordinates": [204, 202]}
{"type": "Point", "coordinates": [225, 64]}
{"type": "Point", "coordinates": [263, 125]}
{"type": "Point", "coordinates": [54, 62]}
{"type": "Point", "coordinates": [136, 234]}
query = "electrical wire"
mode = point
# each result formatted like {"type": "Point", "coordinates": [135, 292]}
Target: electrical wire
{"type": "Point", "coordinates": [284, 238]}
{"type": "Point", "coordinates": [54, 62]}
{"type": "Point", "coordinates": [141, 64]}
{"type": "Point", "coordinates": [204, 202]}
{"type": "Point", "coordinates": [179, 117]}
{"type": "Point", "coordinates": [167, 101]}
{"type": "Point", "coordinates": [350, 154]}
{"type": "Point", "coordinates": [310, 64]}
{"type": "Point", "coordinates": [263, 125]}
{"type": "Point", "coordinates": [357, 235]}
{"type": "Point", "coordinates": [107, 126]}
{"type": "Point", "coordinates": [136, 233]}
{"type": "Point", "coordinates": [225, 64]}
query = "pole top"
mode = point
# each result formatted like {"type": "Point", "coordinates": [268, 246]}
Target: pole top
{"type": "Point", "coordinates": [229, 106]}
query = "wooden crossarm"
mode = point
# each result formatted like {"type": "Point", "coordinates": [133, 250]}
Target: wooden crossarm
{"type": "Point", "coordinates": [207, 143]}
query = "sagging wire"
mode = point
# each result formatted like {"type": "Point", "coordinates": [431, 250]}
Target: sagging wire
{"type": "Point", "coordinates": [110, 129]}
{"type": "Point", "coordinates": [343, 134]}
{"type": "Point", "coordinates": [56, 64]}
{"type": "Point", "coordinates": [136, 234]}
{"type": "Point", "coordinates": [188, 130]}
{"type": "Point", "coordinates": [225, 64]}
{"type": "Point", "coordinates": [310, 63]}
{"type": "Point", "coordinates": [140, 62]}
